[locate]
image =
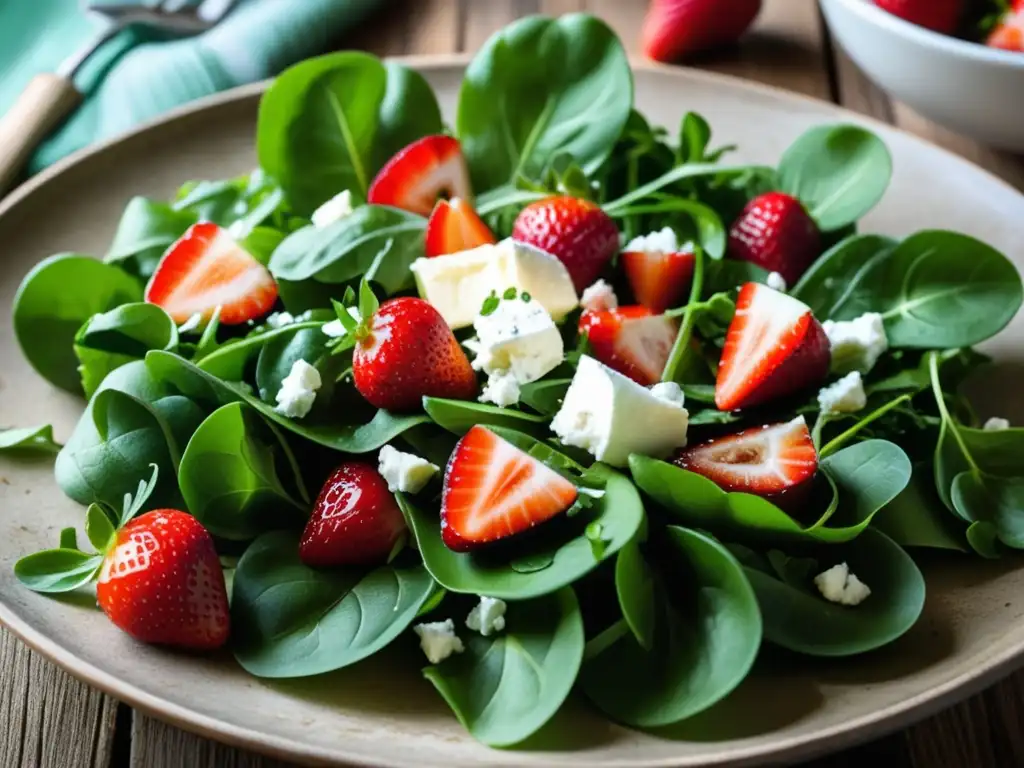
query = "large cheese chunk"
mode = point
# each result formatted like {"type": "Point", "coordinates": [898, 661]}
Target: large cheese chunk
{"type": "Point", "coordinates": [612, 416]}
{"type": "Point", "coordinates": [457, 284]}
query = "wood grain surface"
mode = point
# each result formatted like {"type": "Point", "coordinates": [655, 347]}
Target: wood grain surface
{"type": "Point", "coordinates": [50, 719]}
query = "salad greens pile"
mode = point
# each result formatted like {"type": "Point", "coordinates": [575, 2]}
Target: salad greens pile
{"type": "Point", "coordinates": [654, 597]}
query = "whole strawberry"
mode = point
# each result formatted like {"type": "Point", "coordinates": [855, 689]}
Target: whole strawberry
{"type": "Point", "coordinates": [937, 15]}
{"type": "Point", "coordinates": [161, 582]}
{"type": "Point", "coordinates": [674, 29]}
{"type": "Point", "coordinates": [355, 520]}
{"type": "Point", "coordinates": [577, 231]}
{"type": "Point", "coordinates": [774, 231]}
{"type": "Point", "coordinates": [159, 576]}
{"type": "Point", "coordinates": [403, 352]}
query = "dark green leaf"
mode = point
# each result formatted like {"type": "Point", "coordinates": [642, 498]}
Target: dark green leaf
{"type": "Point", "coordinates": [835, 280]}
{"type": "Point", "coordinates": [29, 439]}
{"type": "Point", "coordinates": [146, 229]}
{"type": "Point", "coordinates": [459, 416]}
{"type": "Point", "coordinates": [98, 528]}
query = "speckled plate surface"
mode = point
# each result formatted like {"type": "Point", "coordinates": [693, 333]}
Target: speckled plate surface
{"type": "Point", "coordinates": [381, 712]}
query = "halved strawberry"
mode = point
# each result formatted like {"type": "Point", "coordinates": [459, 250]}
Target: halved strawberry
{"type": "Point", "coordinates": [774, 231]}
{"type": "Point", "coordinates": [774, 347]}
{"type": "Point", "coordinates": [1008, 34]}
{"type": "Point", "coordinates": [659, 280]}
{"type": "Point", "coordinates": [355, 520]}
{"type": "Point", "coordinates": [673, 29]}
{"type": "Point", "coordinates": [776, 462]}
{"type": "Point", "coordinates": [419, 174]}
{"type": "Point", "coordinates": [454, 226]}
{"type": "Point", "coordinates": [493, 490]}
{"type": "Point", "coordinates": [205, 269]}
{"type": "Point", "coordinates": [631, 340]}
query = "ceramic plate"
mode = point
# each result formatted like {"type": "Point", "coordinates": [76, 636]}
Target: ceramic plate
{"type": "Point", "coordinates": [381, 712]}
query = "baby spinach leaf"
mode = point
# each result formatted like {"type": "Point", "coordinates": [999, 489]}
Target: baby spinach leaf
{"type": "Point", "coordinates": [146, 229]}
{"type": "Point", "coordinates": [281, 352]}
{"type": "Point", "coordinates": [109, 340]}
{"type": "Point", "coordinates": [229, 476]}
{"type": "Point", "coordinates": [54, 299]}
{"type": "Point", "coordinates": [836, 278]}
{"type": "Point", "coordinates": [234, 360]}
{"type": "Point", "coordinates": [205, 388]}
{"type": "Point", "coordinates": [459, 416]}
{"type": "Point", "coordinates": [290, 620]}
{"type": "Point", "coordinates": [997, 501]}
{"type": "Point", "coordinates": [839, 172]}
{"type": "Point", "coordinates": [937, 290]}
{"type": "Point", "coordinates": [710, 230]}
{"type": "Point", "coordinates": [545, 396]}
{"type": "Point", "coordinates": [29, 439]}
{"type": "Point", "coordinates": [708, 632]}
{"type": "Point", "coordinates": [634, 585]}
{"type": "Point", "coordinates": [867, 476]}
{"type": "Point", "coordinates": [504, 687]}
{"type": "Point", "coordinates": [243, 202]}
{"type": "Point", "coordinates": [918, 518]}
{"type": "Point", "coordinates": [800, 619]}
{"type": "Point", "coordinates": [540, 87]}
{"type": "Point", "coordinates": [374, 241]}
{"type": "Point", "coordinates": [321, 120]}
{"type": "Point", "coordinates": [131, 422]}
{"type": "Point", "coordinates": [618, 510]}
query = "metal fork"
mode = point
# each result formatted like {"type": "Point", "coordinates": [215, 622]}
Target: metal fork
{"type": "Point", "coordinates": [48, 98]}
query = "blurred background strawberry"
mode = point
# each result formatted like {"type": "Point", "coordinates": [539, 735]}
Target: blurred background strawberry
{"type": "Point", "coordinates": [676, 29]}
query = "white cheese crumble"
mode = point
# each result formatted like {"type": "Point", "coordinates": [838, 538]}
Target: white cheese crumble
{"type": "Point", "coordinates": [487, 616]}
{"type": "Point", "coordinates": [776, 282]}
{"type": "Point", "coordinates": [599, 297]}
{"type": "Point", "coordinates": [839, 585]}
{"type": "Point", "coordinates": [501, 388]}
{"type": "Point", "coordinates": [298, 390]}
{"type": "Point", "coordinates": [856, 344]}
{"type": "Point", "coordinates": [996, 424]}
{"type": "Point", "coordinates": [662, 241]}
{"type": "Point", "coordinates": [844, 396]}
{"type": "Point", "coordinates": [333, 211]}
{"type": "Point", "coordinates": [438, 640]}
{"type": "Point", "coordinates": [280, 319]}
{"type": "Point", "coordinates": [670, 392]}
{"type": "Point", "coordinates": [405, 472]}
{"type": "Point", "coordinates": [191, 324]}
{"type": "Point", "coordinates": [518, 337]}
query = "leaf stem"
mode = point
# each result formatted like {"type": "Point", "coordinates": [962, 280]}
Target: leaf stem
{"type": "Point", "coordinates": [947, 420]}
{"type": "Point", "coordinates": [837, 442]}
{"type": "Point", "coordinates": [603, 641]}
{"type": "Point", "coordinates": [676, 174]}
{"type": "Point", "coordinates": [682, 342]}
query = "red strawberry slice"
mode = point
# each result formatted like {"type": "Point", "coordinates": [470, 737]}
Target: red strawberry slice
{"type": "Point", "coordinates": [492, 490]}
{"type": "Point", "coordinates": [161, 582]}
{"type": "Point", "coordinates": [576, 231]}
{"type": "Point", "coordinates": [774, 347]}
{"type": "Point", "coordinates": [419, 174]}
{"type": "Point", "coordinates": [631, 340]}
{"type": "Point", "coordinates": [938, 15]}
{"type": "Point", "coordinates": [206, 269]}
{"type": "Point", "coordinates": [355, 520]}
{"type": "Point", "coordinates": [406, 351]}
{"type": "Point", "coordinates": [1008, 34]}
{"type": "Point", "coordinates": [674, 29]}
{"type": "Point", "coordinates": [454, 226]}
{"type": "Point", "coordinates": [776, 462]}
{"type": "Point", "coordinates": [659, 280]}
{"type": "Point", "coordinates": [775, 232]}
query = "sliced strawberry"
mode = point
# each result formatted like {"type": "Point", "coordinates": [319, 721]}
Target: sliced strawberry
{"type": "Point", "coordinates": [659, 280]}
{"type": "Point", "coordinates": [775, 232]}
{"type": "Point", "coordinates": [937, 15]}
{"type": "Point", "coordinates": [206, 269]}
{"type": "Point", "coordinates": [454, 226]}
{"type": "Point", "coordinates": [355, 520]}
{"type": "Point", "coordinates": [493, 490]}
{"type": "Point", "coordinates": [161, 582]}
{"type": "Point", "coordinates": [673, 29]}
{"type": "Point", "coordinates": [405, 351]}
{"type": "Point", "coordinates": [631, 340]}
{"type": "Point", "coordinates": [581, 235]}
{"type": "Point", "coordinates": [774, 347]}
{"type": "Point", "coordinates": [776, 462]}
{"type": "Point", "coordinates": [419, 174]}
{"type": "Point", "coordinates": [1008, 34]}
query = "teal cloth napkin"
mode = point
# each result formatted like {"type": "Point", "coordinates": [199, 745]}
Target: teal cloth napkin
{"type": "Point", "coordinates": [138, 76]}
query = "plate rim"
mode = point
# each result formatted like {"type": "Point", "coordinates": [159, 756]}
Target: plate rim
{"type": "Point", "coordinates": [871, 725]}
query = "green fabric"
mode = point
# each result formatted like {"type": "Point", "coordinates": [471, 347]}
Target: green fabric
{"type": "Point", "coordinates": [139, 75]}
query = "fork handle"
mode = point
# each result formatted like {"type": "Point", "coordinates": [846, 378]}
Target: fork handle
{"type": "Point", "coordinates": [44, 102]}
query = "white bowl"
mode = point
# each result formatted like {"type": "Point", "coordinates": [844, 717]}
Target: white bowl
{"type": "Point", "coordinates": [967, 87]}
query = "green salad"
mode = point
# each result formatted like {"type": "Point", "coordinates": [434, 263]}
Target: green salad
{"type": "Point", "coordinates": [549, 397]}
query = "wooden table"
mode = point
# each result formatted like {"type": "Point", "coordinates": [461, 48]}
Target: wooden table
{"type": "Point", "coordinates": [52, 721]}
